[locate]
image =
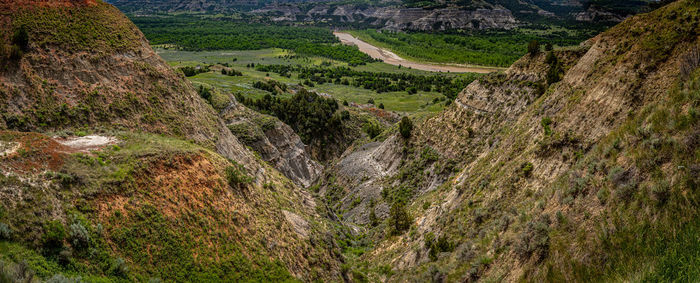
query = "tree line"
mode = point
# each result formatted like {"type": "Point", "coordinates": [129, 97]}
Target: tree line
{"type": "Point", "coordinates": [310, 115]}
{"type": "Point", "coordinates": [198, 33]}
{"type": "Point", "coordinates": [380, 82]}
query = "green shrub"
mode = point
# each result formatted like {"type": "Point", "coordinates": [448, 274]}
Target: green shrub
{"type": "Point", "coordinates": [405, 127]}
{"type": "Point", "coordinates": [438, 246]}
{"type": "Point", "coordinates": [399, 218]}
{"type": "Point", "coordinates": [345, 115]}
{"type": "Point", "coordinates": [554, 72]}
{"type": "Point", "coordinates": [10, 272]}
{"type": "Point", "coordinates": [21, 39]}
{"type": "Point", "coordinates": [546, 122]}
{"type": "Point", "coordinates": [533, 47]}
{"type": "Point", "coordinates": [236, 176]}
{"type": "Point", "coordinates": [526, 169]}
{"type": "Point", "coordinates": [428, 239]}
{"type": "Point", "coordinates": [373, 220]}
{"type": "Point", "coordinates": [119, 268]}
{"type": "Point", "coordinates": [548, 47]}
{"type": "Point", "coordinates": [5, 232]}
{"type": "Point", "coordinates": [534, 240]}
{"type": "Point", "coordinates": [372, 128]}
{"type": "Point", "coordinates": [602, 195]}
{"type": "Point", "coordinates": [79, 236]}
{"type": "Point", "coordinates": [54, 234]}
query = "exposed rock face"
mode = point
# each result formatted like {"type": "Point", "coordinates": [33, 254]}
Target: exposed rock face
{"type": "Point", "coordinates": [399, 18]}
{"type": "Point", "coordinates": [361, 172]}
{"type": "Point", "coordinates": [595, 14]}
{"type": "Point", "coordinates": [275, 141]}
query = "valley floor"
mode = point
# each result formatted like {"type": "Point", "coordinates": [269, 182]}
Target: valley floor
{"type": "Point", "coordinates": [391, 58]}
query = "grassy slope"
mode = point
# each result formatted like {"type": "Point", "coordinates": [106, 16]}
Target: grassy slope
{"type": "Point", "coordinates": [161, 204]}
{"type": "Point", "coordinates": [609, 200]}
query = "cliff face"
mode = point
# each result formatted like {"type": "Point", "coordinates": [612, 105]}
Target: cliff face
{"type": "Point", "coordinates": [551, 177]}
{"type": "Point", "coordinates": [159, 187]}
{"type": "Point", "coordinates": [398, 18]}
{"type": "Point", "coordinates": [275, 141]}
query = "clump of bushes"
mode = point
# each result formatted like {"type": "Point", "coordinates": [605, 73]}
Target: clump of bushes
{"type": "Point", "coordinates": [79, 236]}
{"type": "Point", "coordinates": [546, 122]}
{"type": "Point", "coordinates": [236, 176]}
{"type": "Point", "coordinates": [231, 72]}
{"type": "Point", "coordinates": [19, 44]}
{"type": "Point", "coordinates": [21, 39]}
{"type": "Point", "coordinates": [372, 128]}
{"type": "Point", "coordinates": [437, 246]}
{"type": "Point", "coordinates": [373, 219]}
{"type": "Point", "coordinates": [309, 114]}
{"type": "Point", "coordinates": [272, 86]}
{"type": "Point", "coordinates": [204, 92]}
{"type": "Point", "coordinates": [10, 272]}
{"type": "Point", "coordinates": [190, 71]}
{"type": "Point", "coordinates": [533, 47]}
{"type": "Point", "coordinates": [534, 240]}
{"type": "Point", "coordinates": [119, 268]}
{"type": "Point", "coordinates": [54, 234]}
{"type": "Point", "coordinates": [624, 181]}
{"type": "Point", "coordinates": [526, 169]}
{"type": "Point", "coordinates": [5, 232]}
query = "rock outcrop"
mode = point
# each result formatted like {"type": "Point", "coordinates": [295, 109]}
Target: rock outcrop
{"type": "Point", "coordinates": [275, 141]}
{"type": "Point", "coordinates": [398, 18]}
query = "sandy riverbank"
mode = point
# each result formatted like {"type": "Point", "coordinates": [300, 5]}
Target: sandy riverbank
{"type": "Point", "coordinates": [393, 59]}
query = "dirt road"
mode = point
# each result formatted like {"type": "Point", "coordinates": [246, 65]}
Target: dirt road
{"type": "Point", "coordinates": [393, 59]}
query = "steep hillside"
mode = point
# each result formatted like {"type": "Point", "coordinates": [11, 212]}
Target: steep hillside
{"type": "Point", "coordinates": [83, 64]}
{"type": "Point", "coordinates": [576, 166]}
{"type": "Point", "coordinates": [123, 172]}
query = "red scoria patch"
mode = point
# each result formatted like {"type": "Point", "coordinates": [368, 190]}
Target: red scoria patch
{"type": "Point", "coordinates": [35, 153]}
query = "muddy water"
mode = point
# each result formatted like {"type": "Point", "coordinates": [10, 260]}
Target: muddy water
{"type": "Point", "coordinates": [393, 59]}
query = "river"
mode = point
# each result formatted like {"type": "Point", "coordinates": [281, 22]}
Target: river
{"type": "Point", "coordinates": [393, 59]}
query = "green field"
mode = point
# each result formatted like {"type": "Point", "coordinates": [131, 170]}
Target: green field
{"type": "Point", "coordinates": [394, 101]}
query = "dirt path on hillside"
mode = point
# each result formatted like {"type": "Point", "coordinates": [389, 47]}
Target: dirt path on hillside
{"type": "Point", "coordinates": [393, 59]}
